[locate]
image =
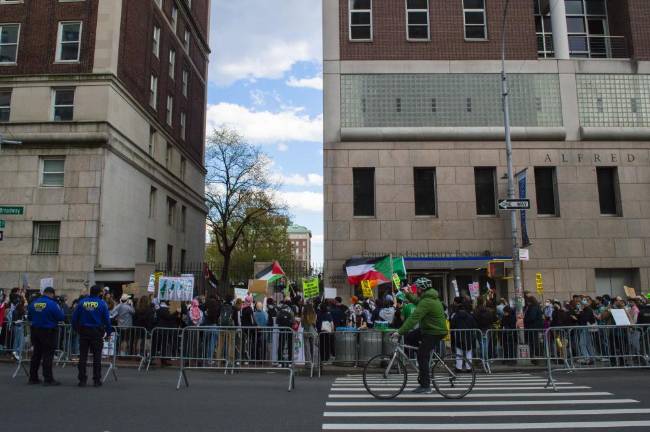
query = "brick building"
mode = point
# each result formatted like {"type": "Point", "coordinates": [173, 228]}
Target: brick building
{"type": "Point", "coordinates": [414, 139]}
{"type": "Point", "coordinates": [300, 240]}
{"type": "Point", "coordinates": [108, 98]}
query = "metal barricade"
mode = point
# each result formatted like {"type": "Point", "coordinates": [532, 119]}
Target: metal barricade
{"type": "Point", "coordinates": [165, 345]}
{"type": "Point", "coordinates": [11, 337]}
{"type": "Point", "coordinates": [311, 349]}
{"type": "Point", "coordinates": [70, 353]}
{"type": "Point", "coordinates": [467, 343]}
{"type": "Point", "coordinates": [515, 345]}
{"type": "Point", "coordinates": [234, 349]}
{"type": "Point", "coordinates": [603, 347]}
{"type": "Point", "coordinates": [134, 343]}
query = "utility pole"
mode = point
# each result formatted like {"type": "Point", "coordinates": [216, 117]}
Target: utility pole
{"type": "Point", "coordinates": [516, 263]}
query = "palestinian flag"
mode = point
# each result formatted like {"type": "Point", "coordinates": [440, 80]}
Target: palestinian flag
{"type": "Point", "coordinates": [374, 269]}
{"type": "Point", "coordinates": [271, 273]}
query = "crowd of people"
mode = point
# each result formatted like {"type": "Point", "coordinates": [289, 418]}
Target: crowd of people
{"type": "Point", "coordinates": [318, 319]}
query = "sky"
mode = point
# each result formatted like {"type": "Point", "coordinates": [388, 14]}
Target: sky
{"type": "Point", "coordinates": [265, 80]}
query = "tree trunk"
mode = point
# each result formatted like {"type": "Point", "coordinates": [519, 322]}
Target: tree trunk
{"type": "Point", "coordinates": [224, 281]}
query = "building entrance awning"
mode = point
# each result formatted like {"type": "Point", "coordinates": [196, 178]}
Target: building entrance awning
{"type": "Point", "coordinates": [453, 262]}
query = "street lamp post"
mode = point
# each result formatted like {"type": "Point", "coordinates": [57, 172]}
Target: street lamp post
{"type": "Point", "coordinates": [516, 263]}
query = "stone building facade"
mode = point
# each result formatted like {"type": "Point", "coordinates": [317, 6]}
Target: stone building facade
{"type": "Point", "coordinates": [414, 153]}
{"type": "Point", "coordinates": [108, 99]}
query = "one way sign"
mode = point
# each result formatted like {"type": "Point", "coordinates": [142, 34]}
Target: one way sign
{"type": "Point", "coordinates": [514, 204]}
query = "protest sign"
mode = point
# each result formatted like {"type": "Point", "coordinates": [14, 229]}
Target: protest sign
{"type": "Point", "coordinates": [258, 286]}
{"type": "Point", "coordinates": [396, 281]}
{"type": "Point", "coordinates": [310, 288]}
{"type": "Point", "coordinates": [366, 288]}
{"type": "Point", "coordinates": [47, 282]}
{"type": "Point", "coordinates": [620, 317]}
{"type": "Point", "coordinates": [630, 292]}
{"type": "Point", "coordinates": [473, 290]}
{"type": "Point", "coordinates": [539, 284]}
{"type": "Point", "coordinates": [176, 288]}
{"type": "Point", "coordinates": [241, 293]}
{"type": "Point", "coordinates": [151, 286]}
{"type": "Point", "coordinates": [330, 293]}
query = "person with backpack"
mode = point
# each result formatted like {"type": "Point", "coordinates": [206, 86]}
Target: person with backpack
{"type": "Point", "coordinates": [226, 339]}
{"type": "Point", "coordinates": [284, 321]}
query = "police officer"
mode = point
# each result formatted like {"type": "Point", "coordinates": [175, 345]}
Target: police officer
{"type": "Point", "coordinates": [45, 315]}
{"type": "Point", "coordinates": [91, 320]}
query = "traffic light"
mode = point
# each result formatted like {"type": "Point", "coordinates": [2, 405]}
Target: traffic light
{"type": "Point", "coordinates": [496, 269]}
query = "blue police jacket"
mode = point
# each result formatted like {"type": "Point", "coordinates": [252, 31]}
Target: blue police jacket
{"type": "Point", "coordinates": [45, 313]}
{"type": "Point", "coordinates": [92, 312]}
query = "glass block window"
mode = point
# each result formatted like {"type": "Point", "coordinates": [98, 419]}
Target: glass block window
{"type": "Point", "coordinates": [614, 100]}
{"type": "Point", "coordinates": [46, 238]}
{"type": "Point", "coordinates": [448, 100]}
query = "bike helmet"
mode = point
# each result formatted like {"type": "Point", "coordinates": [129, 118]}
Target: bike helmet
{"type": "Point", "coordinates": [423, 284]}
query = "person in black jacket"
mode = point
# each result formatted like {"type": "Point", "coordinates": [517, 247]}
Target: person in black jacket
{"type": "Point", "coordinates": [463, 337]}
{"type": "Point", "coordinates": [509, 336]}
{"type": "Point", "coordinates": [485, 319]}
{"type": "Point", "coordinates": [534, 326]}
{"type": "Point", "coordinates": [166, 343]}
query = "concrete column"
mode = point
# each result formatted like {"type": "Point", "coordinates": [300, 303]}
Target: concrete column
{"type": "Point", "coordinates": [560, 32]}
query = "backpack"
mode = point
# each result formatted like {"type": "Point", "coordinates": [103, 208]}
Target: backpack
{"type": "Point", "coordinates": [225, 315]}
{"type": "Point", "coordinates": [284, 317]}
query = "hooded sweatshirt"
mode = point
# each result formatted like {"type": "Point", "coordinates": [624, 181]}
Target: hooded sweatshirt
{"type": "Point", "coordinates": [429, 314]}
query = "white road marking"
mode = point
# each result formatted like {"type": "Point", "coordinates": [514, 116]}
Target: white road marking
{"type": "Point", "coordinates": [474, 395]}
{"type": "Point", "coordinates": [612, 425]}
{"type": "Point", "coordinates": [550, 414]}
{"type": "Point", "coordinates": [482, 403]}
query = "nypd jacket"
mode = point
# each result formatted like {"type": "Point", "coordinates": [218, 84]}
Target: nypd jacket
{"type": "Point", "coordinates": [92, 312]}
{"type": "Point", "coordinates": [45, 313]}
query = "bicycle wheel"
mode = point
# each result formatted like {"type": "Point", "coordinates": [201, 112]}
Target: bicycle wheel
{"type": "Point", "coordinates": [449, 383]}
{"type": "Point", "coordinates": [385, 376]}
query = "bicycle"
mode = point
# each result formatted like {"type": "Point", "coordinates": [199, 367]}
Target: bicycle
{"type": "Point", "coordinates": [386, 376]}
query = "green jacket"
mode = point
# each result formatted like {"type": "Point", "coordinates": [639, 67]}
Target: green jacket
{"type": "Point", "coordinates": [429, 313]}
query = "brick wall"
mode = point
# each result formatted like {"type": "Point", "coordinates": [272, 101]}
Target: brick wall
{"type": "Point", "coordinates": [640, 28]}
{"type": "Point", "coordinates": [447, 33]}
{"type": "Point", "coordinates": [38, 32]}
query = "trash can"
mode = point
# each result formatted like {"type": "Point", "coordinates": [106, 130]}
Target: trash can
{"type": "Point", "coordinates": [370, 344]}
{"type": "Point", "coordinates": [388, 346]}
{"type": "Point", "coordinates": [346, 346]}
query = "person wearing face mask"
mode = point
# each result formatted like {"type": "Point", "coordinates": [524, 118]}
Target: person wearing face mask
{"type": "Point", "coordinates": [586, 319]}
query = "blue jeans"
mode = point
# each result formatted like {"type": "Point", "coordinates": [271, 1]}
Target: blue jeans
{"type": "Point", "coordinates": [584, 344]}
{"type": "Point", "coordinates": [18, 334]}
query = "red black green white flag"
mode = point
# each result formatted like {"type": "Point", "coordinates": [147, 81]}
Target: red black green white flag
{"type": "Point", "coordinates": [374, 269]}
{"type": "Point", "coordinates": [271, 273]}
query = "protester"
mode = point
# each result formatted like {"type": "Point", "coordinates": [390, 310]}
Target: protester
{"type": "Point", "coordinates": [463, 339]}
{"type": "Point", "coordinates": [124, 312]}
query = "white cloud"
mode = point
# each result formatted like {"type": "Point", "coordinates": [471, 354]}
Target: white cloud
{"type": "Point", "coordinates": [282, 147]}
{"type": "Point", "coordinates": [290, 124]}
{"type": "Point", "coordinates": [315, 83]}
{"type": "Point", "coordinates": [258, 97]}
{"type": "Point", "coordinates": [253, 39]}
{"type": "Point", "coordinates": [318, 239]}
{"type": "Point", "coordinates": [310, 179]}
{"type": "Point", "coordinates": [303, 201]}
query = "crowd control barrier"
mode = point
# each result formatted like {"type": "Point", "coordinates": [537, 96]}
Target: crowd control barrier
{"type": "Point", "coordinates": [134, 343]}
{"type": "Point", "coordinates": [234, 349]}
{"type": "Point", "coordinates": [165, 345]}
{"type": "Point", "coordinates": [514, 345]}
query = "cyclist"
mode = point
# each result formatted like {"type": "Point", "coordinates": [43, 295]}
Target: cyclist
{"type": "Point", "coordinates": [429, 315]}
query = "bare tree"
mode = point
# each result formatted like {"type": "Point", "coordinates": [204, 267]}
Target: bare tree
{"type": "Point", "coordinates": [239, 191]}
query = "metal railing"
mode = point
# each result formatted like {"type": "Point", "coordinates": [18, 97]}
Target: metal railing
{"type": "Point", "coordinates": [583, 46]}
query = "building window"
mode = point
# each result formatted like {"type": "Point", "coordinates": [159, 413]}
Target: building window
{"type": "Point", "coordinates": [68, 44]}
{"type": "Point", "coordinates": [151, 250]}
{"type": "Point", "coordinates": [171, 211]}
{"type": "Point", "coordinates": [608, 194]}
{"type": "Point", "coordinates": [156, 41]}
{"type": "Point", "coordinates": [63, 104]}
{"type": "Point", "coordinates": [183, 167]}
{"type": "Point", "coordinates": [183, 218]}
{"type": "Point", "coordinates": [46, 238]}
{"type": "Point", "coordinates": [424, 180]}
{"type": "Point", "coordinates": [183, 257]}
{"type": "Point", "coordinates": [5, 105]}
{"type": "Point", "coordinates": [9, 39]}
{"type": "Point", "coordinates": [153, 92]}
{"type": "Point", "coordinates": [174, 17]}
{"type": "Point", "coordinates": [52, 172]}
{"type": "Point", "coordinates": [152, 142]}
{"type": "Point", "coordinates": [183, 120]}
{"type": "Point", "coordinates": [185, 78]}
{"type": "Point", "coordinates": [172, 63]}
{"type": "Point", "coordinates": [169, 156]}
{"type": "Point", "coordinates": [474, 14]}
{"type": "Point", "coordinates": [485, 186]}
{"type": "Point", "coordinates": [360, 20]}
{"type": "Point", "coordinates": [153, 193]}
{"type": "Point", "coordinates": [170, 109]}
{"type": "Point", "coordinates": [170, 257]}
{"type": "Point", "coordinates": [546, 190]}
{"type": "Point", "coordinates": [186, 40]}
{"type": "Point", "coordinates": [364, 191]}
{"type": "Point", "coordinates": [417, 19]}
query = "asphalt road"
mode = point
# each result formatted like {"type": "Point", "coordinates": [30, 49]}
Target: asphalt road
{"type": "Point", "coordinates": [146, 402]}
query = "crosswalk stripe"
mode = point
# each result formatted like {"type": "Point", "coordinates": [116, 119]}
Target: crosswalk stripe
{"type": "Point", "coordinates": [486, 413]}
{"type": "Point", "coordinates": [461, 385]}
{"type": "Point", "coordinates": [474, 395]}
{"type": "Point", "coordinates": [490, 426]}
{"type": "Point", "coordinates": [478, 378]}
{"type": "Point", "coordinates": [482, 403]}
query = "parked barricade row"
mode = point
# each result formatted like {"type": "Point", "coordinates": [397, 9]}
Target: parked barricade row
{"type": "Point", "coordinates": [234, 349]}
{"type": "Point", "coordinates": [165, 345]}
{"type": "Point", "coordinates": [69, 351]}
{"type": "Point", "coordinates": [11, 337]}
{"type": "Point", "coordinates": [135, 343]}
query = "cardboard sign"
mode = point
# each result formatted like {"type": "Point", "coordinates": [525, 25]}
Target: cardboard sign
{"type": "Point", "coordinates": [176, 289]}
{"type": "Point", "coordinates": [310, 288]}
{"type": "Point", "coordinates": [366, 288]}
{"type": "Point", "coordinates": [241, 293]}
{"type": "Point", "coordinates": [258, 286]}
{"type": "Point", "coordinates": [630, 292]}
{"type": "Point", "coordinates": [151, 286]}
{"type": "Point", "coordinates": [620, 317]}
{"type": "Point", "coordinates": [330, 293]}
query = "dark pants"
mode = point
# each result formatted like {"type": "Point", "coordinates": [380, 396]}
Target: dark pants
{"type": "Point", "coordinates": [426, 344]}
{"type": "Point", "coordinates": [90, 338]}
{"type": "Point", "coordinates": [44, 342]}
{"type": "Point", "coordinates": [285, 342]}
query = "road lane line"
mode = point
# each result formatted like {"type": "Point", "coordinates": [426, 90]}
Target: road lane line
{"type": "Point", "coordinates": [611, 425]}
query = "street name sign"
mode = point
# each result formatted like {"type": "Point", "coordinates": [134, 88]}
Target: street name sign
{"type": "Point", "coordinates": [514, 204]}
{"type": "Point", "coordinates": [12, 210]}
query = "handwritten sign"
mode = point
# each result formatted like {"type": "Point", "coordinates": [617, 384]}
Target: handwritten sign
{"type": "Point", "coordinates": [366, 288]}
{"type": "Point", "coordinates": [310, 288]}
